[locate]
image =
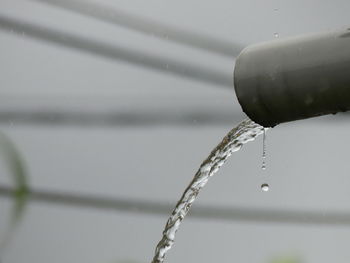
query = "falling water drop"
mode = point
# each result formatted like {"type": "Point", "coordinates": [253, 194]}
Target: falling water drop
{"type": "Point", "coordinates": [276, 35]}
{"type": "Point", "coordinates": [265, 187]}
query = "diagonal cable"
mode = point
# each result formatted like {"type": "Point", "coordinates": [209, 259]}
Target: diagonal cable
{"type": "Point", "coordinates": [116, 53]}
{"type": "Point", "coordinates": [149, 26]}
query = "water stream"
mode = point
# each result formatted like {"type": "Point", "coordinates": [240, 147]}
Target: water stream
{"type": "Point", "coordinates": [246, 131]}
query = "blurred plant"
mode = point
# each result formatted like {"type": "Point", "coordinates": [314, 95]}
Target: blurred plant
{"type": "Point", "coordinates": [18, 172]}
{"type": "Point", "coordinates": [286, 259]}
{"type": "Point", "coordinates": [15, 163]}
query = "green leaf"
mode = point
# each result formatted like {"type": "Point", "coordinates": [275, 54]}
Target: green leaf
{"type": "Point", "coordinates": [16, 166]}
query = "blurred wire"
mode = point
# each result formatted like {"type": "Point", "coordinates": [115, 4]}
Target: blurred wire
{"type": "Point", "coordinates": [120, 118]}
{"type": "Point", "coordinates": [149, 27]}
{"type": "Point", "coordinates": [202, 212]}
{"type": "Point", "coordinates": [115, 52]}
{"type": "Point", "coordinates": [135, 118]}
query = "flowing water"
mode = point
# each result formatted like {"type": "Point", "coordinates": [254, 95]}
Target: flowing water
{"type": "Point", "coordinates": [246, 131]}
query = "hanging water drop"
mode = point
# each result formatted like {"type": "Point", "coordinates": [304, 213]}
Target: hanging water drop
{"type": "Point", "coordinates": [265, 187]}
{"type": "Point", "coordinates": [263, 166]}
{"type": "Point", "coordinates": [276, 35]}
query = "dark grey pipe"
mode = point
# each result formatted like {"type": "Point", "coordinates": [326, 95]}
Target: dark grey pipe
{"type": "Point", "coordinates": [294, 78]}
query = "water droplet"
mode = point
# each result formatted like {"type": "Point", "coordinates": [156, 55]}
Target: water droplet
{"type": "Point", "coordinates": [275, 9]}
{"type": "Point", "coordinates": [167, 66]}
{"type": "Point", "coordinates": [276, 35]}
{"type": "Point", "coordinates": [263, 166]}
{"type": "Point", "coordinates": [265, 187]}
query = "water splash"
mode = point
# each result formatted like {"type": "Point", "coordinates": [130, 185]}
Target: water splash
{"type": "Point", "coordinates": [245, 132]}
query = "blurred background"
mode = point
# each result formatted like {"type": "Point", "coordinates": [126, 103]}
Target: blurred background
{"type": "Point", "coordinates": [107, 109]}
